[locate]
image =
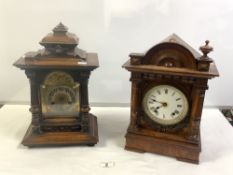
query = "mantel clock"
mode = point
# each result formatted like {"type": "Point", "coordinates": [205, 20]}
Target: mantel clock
{"type": "Point", "coordinates": [168, 88]}
{"type": "Point", "coordinates": [58, 77]}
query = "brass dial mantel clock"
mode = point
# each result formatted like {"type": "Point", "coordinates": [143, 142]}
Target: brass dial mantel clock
{"type": "Point", "coordinates": [58, 77]}
{"type": "Point", "coordinates": [168, 88]}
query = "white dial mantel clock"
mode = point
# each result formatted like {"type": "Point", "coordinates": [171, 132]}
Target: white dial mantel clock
{"type": "Point", "coordinates": [58, 77]}
{"type": "Point", "coordinates": [168, 88]}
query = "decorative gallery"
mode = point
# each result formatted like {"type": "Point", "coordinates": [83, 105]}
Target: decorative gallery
{"type": "Point", "coordinates": [58, 77]}
{"type": "Point", "coordinates": [168, 88]}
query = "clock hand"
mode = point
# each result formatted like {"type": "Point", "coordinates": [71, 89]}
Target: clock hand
{"type": "Point", "coordinates": [163, 103]}
{"type": "Point", "coordinates": [156, 101]}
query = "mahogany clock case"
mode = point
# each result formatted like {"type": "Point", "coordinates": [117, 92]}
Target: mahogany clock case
{"type": "Point", "coordinates": [172, 62]}
{"type": "Point", "coordinates": [58, 77]}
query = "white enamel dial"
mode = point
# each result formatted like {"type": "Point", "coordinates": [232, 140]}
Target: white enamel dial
{"type": "Point", "coordinates": [165, 104]}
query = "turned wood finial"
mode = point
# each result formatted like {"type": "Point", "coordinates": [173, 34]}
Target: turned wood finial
{"type": "Point", "coordinates": [206, 49]}
{"type": "Point", "coordinates": [60, 28]}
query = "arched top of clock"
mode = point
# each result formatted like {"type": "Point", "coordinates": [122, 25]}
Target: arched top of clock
{"type": "Point", "coordinates": [59, 78]}
{"type": "Point", "coordinates": [169, 54]}
{"type": "Point", "coordinates": [174, 56]}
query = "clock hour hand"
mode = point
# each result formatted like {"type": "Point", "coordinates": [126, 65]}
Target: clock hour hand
{"type": "Point", "coordinates": [155, 101]}
{"type": "Point", "coordinates": [163, 103]}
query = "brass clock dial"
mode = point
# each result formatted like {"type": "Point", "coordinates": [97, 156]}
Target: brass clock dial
{"type": "Point", "coordinates": [60, 98]}
{"type": "Point", "coordinates": [60, 95]}
{"type": "Point", "coordinates": [165, 104]}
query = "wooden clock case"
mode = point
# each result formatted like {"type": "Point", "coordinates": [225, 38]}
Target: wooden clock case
{"type": "Point", "coordinates": [60, 55]}
{"type": "Point", "coordinates": [171, 62]}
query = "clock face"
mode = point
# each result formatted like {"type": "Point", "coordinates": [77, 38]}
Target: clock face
{"type": "Point", "coordinates": [60, 98]}
{"type": "Point", "coordinates": [60, 95]}
{"type": "Point", "coordinates": [165, 105]}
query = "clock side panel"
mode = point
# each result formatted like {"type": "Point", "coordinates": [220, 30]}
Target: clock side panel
{"type": "Point", "coordinates": [197, 95]}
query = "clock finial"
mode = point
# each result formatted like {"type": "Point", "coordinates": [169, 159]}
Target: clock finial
{"type": "Point", "coordinates": [206, 49]}
{"type": "Point", "coordinates": [60, 41]}
{"type": "Point", "coordinates": [60, 28]}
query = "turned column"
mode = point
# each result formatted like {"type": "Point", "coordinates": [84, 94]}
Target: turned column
{"type": "Point", "coordinates": [198, 95]}
{"type": "Point", "coordinates": [84, 108]}
{"type": "Point", "coordinates": [135, 78]}
{"type": "Point", "coordinates": [35, 105]}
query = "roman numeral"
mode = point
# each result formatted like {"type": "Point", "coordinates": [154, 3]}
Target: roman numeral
{"type": "Point", "coordinates": [163, 116]}
{"type": "Point", "coordinates": [173, 93]}
{"type": "Point", "coordinates": [150, 102]}
{"type": "Point", "coordinates": [166, 91]}
{"type": "Point", "coordinates": [179, 106]}
{"type": "Point", "coordinates": [158, 91]}
{"type": "Point", "coordinates": [174, 113]}
{"type": "Point", "coordinates": [178, 99]}
{"type": "Point", "coordinates": [152, 108]}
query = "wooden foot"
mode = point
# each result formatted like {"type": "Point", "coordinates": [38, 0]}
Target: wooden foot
{"type": "Point", "coordinates": [188, 160]}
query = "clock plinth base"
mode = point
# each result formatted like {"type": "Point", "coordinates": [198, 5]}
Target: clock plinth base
{"type": "Point", "coordinates": [63, 138]}
{"type": "Point", "coordinates": [134, 149]}
{"type": "Point", "coordinates": [181, 151]}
